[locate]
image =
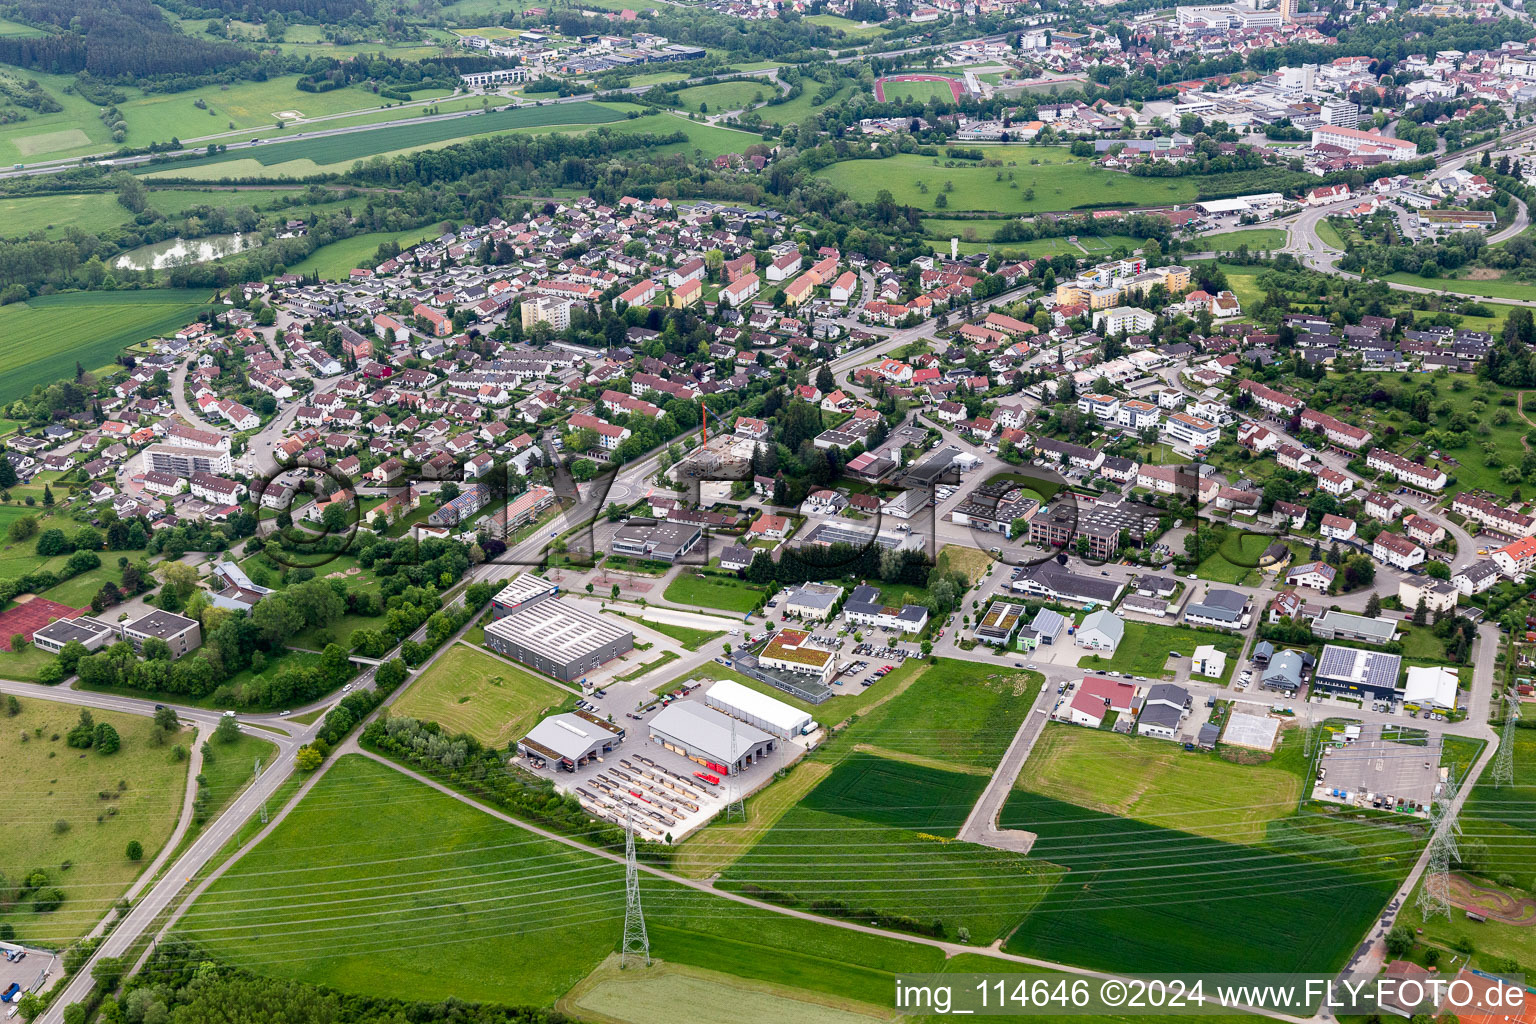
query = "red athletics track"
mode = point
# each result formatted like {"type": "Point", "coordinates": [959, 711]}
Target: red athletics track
{"type": "Point", "coordinates": [955, 87]}
{"type": "Point", "coordinates": [27, 618]}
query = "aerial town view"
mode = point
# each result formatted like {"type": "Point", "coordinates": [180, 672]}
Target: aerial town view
{"type": "Point", "coordinates": [829, 511]}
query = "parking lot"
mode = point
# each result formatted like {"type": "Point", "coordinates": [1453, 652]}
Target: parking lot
{"type": "Point", "coordinates": [28, 970]}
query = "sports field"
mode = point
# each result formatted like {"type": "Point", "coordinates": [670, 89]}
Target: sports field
{"type": "Point", "coordinates": [1059, 182]}
{"type": "Point", "coordinates": [50, 783]}
{"type": "Point", "coordinates": [960, 712]}
{"type": "Point", "coordinates": [1142, 898]}
{"type": "Point", "coordinates": [468, 691]}
{"type": "Point", "coordinates": [1144, 649]}
{"type": "Point", "coordinates": [42, 339]}
{"type": "Point", "coordinates": [1161, 784]}
{"type": "Point", "coordinates": [713, 593]}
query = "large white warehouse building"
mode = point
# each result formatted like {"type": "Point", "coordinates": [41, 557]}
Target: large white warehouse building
{"type": "Point", "coordinates": [772, 716]}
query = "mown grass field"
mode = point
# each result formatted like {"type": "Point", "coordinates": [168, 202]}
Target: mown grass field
{"type": "Point", "coordinates": [693, 639]}
{"type": "Point", "coordinates": [803, 106]}
{"type": "Point", "coordinates": [49, 783]}
{"type": "Point", "coordinates": [43, 338]}
{"type": "Point", "coordinates": [893, 857]}
{"type": "Point", "coordinates": [1255, 239]}
{"type": "Point", "coordinates": [1138, 897]}
{"type": "Point", "coordinates": [73, 131]}
{"type": "Point", "coordinates": [1144, 649]}
{"type": "Point", "coordinates": [961, 712]}
{"type": "Point", "coordinates": [335, 261]}
{"type": "Point", "coordinates": [724, 96]}
{"type": "Point", "coordinates": [1158, 782]}
{"type": "Point", "coordinates": [712, 593]}
{"type": "Point", "coordinates": [921, 92]}
{"type": "Point", "coordinates": [1063, 183]}
{"type": "Point", "coordinates": [1237, 558]}
{"type": "Point", "coordinates": [468, 691]}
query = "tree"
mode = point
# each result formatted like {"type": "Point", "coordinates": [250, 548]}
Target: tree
{"type": "Point", "coordinates": [12, 705]}
{"type": "Point", "coordinates": [228, 730]}
{"type": "Point", "coordinates": [180, 579]}
{"type": "Point", "coordinates": [156, 649]}
{"type": "Point", "coordinates": [307, 758]}
{"type": "Point", "coordinates": [825, 382]}
{"type": "Point", "coordinates": [135, 849]}
{"type": "Point", "coordinates": [107, 740]}
{"type": "Point", "coordinates": [166, 719]}
{"type": "Point", "coordinates": [1400, 940]}
{"type": "Point", "coordinates": [1373, 606]}
{"type": "Point", "coordinates": [84, 732]}
{"type": "Point", "coordinates": [7, 473]}
{"type": "Point", "coordinates": [1420, 614]}
{"type": "Point", "coordinates": [1437, 570]}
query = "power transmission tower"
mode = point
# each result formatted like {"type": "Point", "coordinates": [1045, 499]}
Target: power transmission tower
{"type": "Point", "coordinates": [254, 782]}
{"type": "Point", "coordinates": [735, 806]}
{"type": "Point", "coordinates": [1435, 894]}
{"type": "Point", "coordinates": [1504, 761]}
{"type": "Point", "coordinates": [636, 943]}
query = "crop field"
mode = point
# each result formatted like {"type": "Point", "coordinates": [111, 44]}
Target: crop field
{"type": "Point", "coordinates": [82, 808]}
{"type": "Point", "coordinates": [42, 339]}
{"type": "Point", "coordinates": [859, 859]}
{"type": "Point", "coordinates": [91, 211]}
{"type": "Point", "coordinates": [672, 994]}
{"type": "Point", "coordinates": [896, 794]}
{"type": "Point", "coordinates": [958, 711]}
{"type": "Point", "coordinates": [1161, 784]}
{"type": "Point", "coordinates": [467, 691]}
{"type": "Point", "coordinates": [1058, 182]}
{"type": "Point", "coordinates": [1501, 818]}
{"type": "Point", "coordinates": [361, 145]}
{"type": "Point", "coordinates": [1143, 898]}
{"type": "Point", "coordinates": [724, 96]}
{"type": "Point", "coordinates": [408, 882]}
{"type": "Point", "coordinates": [712, 593]}
{"type": "Point", "coordinates": [1143, 651]}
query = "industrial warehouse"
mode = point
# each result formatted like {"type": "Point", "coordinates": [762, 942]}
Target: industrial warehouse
{"type": "Point", "coordinates": [534, 626]}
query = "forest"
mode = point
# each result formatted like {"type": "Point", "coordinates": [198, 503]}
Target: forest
{"type": "Point", "coordinates": [112, 39]}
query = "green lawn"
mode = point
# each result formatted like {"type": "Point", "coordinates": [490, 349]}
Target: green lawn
{"type": "Point", "coordinates": [335, 261]}
{"type": "Point", "coordinates": [921, 92]}
{"type": "Point", "coordinates": [1143, 651]}
{"type": "Point", "coordinates": [42, 339]}
{"type": "Point", "coordinates": [25, 666]}
{"type": "Point", "coordinates": [1237, 559]}
{"type": "Point", "coordinates": [1329, 235]}
{"type": "Point", "coordinates": [1063, 183]}
{"type": "Point", "coordinates": [91, 212]}
{"type": "Point", "coordinates": [723, 96]}
{"type": "Point", "coordinates": [1157, 782]}
{"type": "Point", "coordinates": [693, 639]}
{"type": "Point", "coordinates": [72, 131]}
{"type": "Point", "coordinates": [1495, 289]}
{"type": "Point", "coordinates": [803, 106]}
{"type": "Point", "coordinates": [1256, 239]}
{"type": "Point", "coordinates": [466, 690]}
{"type": "Point", "coordinates": [102, 801]}
{"type": "Point", "coordinates": [961, 712]}
{"type": "Point", "coordinates": [713, 593]}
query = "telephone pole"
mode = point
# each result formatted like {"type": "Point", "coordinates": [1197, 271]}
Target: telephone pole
{"type": "Point", "coordinates": [636, 943]}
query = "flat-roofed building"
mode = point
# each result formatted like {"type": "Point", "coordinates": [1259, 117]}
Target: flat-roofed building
{"type": "Point", "coordinates": [758, 709]}
{"type": "Point", "coordinates": [558, 638]}
{"type": "Point", "coordinates": [184, 462]}
{"type": "Point", "coordinates": [663, 542]}
{"type": "Point", "coordinates": [181, 634]}
{"type": "Point", "coordinates": [1336, 625]}
{"type": "Point", "coordinates": [789, 651]}
{"type": "Point", "coordinates": [93, 633]}
{"type": "Point", "coordinates": [520, 590]}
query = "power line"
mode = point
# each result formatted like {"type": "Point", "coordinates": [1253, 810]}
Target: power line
{"type": "Point", "coordinates": [1503, 771]}
{"type": "Point", "coordinates": [637, 943]}
{"type": "Point", "coordinates": [1435, 894]}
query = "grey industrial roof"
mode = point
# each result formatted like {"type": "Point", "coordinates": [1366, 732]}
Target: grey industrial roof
{"type": "Point", "coordinates": [524, 587]}
{"type": "Point", "coordinates": [703, 729]}
{"type": "Point", "coordinates": [569, 735]}
{"type": "Point", "coordinates": [1159, 714]}
{"type": "Point", "coordinates": [1048, 622]}
{"type": "Point", "coordinates": [161, 623]}
{"type": "Point", "coordinates": [558, 629]}
{"type": "Point", "coordinates": [815, 595]}
{"type": "Point", "coordinates": [62, 631]}
{"type": "Point", "coordinates": [1070, 584]}
{"type": "Point", "coordinates": [1285, 666]}
{"type": "Point", "coordinates": [1226, 605]}
{"type": "Point", "coordinates": [1380, 630]}
{"type": "Point", "coordinates": [1106, 622]}
{"type": "Point", "coordinates": [1169, 692]}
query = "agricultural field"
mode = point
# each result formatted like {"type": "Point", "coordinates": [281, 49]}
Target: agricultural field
{"type": "Point", "coordinates": [88, 211]}
{"type": "Point", "coordinates": [674, 994]}
{"type": "Point", "coordinates": [1158, 782]}
{"type": "Point", "coordinates": [713, 593]}
{"type": "Point", "coordinates": [959, 712]}
{"type": "Point", "coordinates": [723, 96]}
{"type": "Point", "coordinates": [466, 690]}
{"type": "Point", "coordinates": [861, 854]}
{"type": "Point", "coordinates": [82, 808]}
{"type": "Point", "coordinates": [1143, 651]}
{"type": "Point", "coordinates": [74, 131]}
{"type": "Point", "coordinates": [481, 894]}
{"type": "Point", "coordinates": [42, 339]}
{"type": "Point", "coordinates": [1141, 897]}
{"type": "Point", "coordinates": [1058, 182]}
{"type": "Point", "coordinates": [346, 149]}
